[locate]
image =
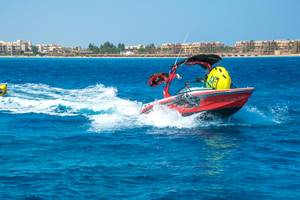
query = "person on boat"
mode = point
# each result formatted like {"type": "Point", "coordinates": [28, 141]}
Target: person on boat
{"type": "Point", "coordinates": [158, 78]}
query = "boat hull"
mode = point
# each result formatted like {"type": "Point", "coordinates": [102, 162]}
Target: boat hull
{"type": "Point", "coordinates": [217, 102]}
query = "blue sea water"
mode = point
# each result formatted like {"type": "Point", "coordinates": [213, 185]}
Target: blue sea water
{"type": "Point", "coordinates": [71, 129]}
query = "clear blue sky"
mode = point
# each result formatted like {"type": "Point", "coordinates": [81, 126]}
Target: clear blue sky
{"type": "Point", "coordinates": [78, 22]}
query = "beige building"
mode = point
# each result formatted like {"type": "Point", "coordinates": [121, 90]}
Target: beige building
{"type": "Point", "coordinates": [191, 48]}
{"type": "Point", "coordinates": [287, 46]}
{"type": "Point", "coordinates": [15, 48]}
{"type": "Point", "coordinates": [268, 46]}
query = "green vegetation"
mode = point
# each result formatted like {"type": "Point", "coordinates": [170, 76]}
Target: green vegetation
{"type": "Point", "coordinates": [35, 50]}
{"type": "Point", "coordinates": [106, 48]}
{"type": "Point", "coordinates": [110, 48]}
{"type": "Point", "coordinates": [148, 49]}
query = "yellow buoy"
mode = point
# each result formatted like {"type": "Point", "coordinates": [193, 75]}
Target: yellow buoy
{"type": "Point", "coordinates": [3, 89]}
{"type": "Point", "coordinates": [218, 78]}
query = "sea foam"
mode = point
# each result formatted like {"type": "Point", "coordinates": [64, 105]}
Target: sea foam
{"type": "Point", "coordinates": [106, 111]}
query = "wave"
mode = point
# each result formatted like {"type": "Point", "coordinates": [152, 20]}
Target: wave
{"type": "Point", "coordinates": [271, 115]}
{"type": "Point", "coordinates": [106, 111]}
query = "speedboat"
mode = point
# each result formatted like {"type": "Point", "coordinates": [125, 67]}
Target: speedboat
{"type": "Point", "coordinates": [217, 95]}
{"type": "Point", "coordinates": [3, 89]}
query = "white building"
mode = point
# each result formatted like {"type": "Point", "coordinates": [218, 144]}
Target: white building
{"type": "Point", "coordinates": [49, 48]}
{"type": "Point", "coordinates": [14, 48]}
{"type": "Point", "coordinates": [133, 47]}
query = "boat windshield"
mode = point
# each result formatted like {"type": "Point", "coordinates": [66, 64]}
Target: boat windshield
{"type": "Point", "coordinates": [193, 86]}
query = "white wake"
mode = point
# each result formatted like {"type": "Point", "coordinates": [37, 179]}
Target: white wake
{"type": "Point", "coordinates": [98, 103]}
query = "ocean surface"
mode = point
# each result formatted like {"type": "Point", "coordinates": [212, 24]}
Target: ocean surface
{"type": "Point", "coordinates": [71, 129]}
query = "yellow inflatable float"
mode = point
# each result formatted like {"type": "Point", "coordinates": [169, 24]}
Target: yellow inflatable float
{"type": "Point", "coordinates": [3, 89]}
{"type": "Point", "coordinates": [218, 79]}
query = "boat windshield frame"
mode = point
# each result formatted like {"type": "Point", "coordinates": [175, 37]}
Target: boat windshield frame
{"type": "Point", "coordinates": [187, 88]}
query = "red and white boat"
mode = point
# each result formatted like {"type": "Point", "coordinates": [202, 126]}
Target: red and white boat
{"type": "Point", "coordinates": [191, 100]}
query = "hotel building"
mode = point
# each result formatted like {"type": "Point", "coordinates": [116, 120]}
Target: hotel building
{"type": "Point", "coordinates": [15, 48]}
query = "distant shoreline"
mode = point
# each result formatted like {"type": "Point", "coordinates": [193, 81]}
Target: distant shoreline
{"type": "Point", "coordinates": [151, 56]}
